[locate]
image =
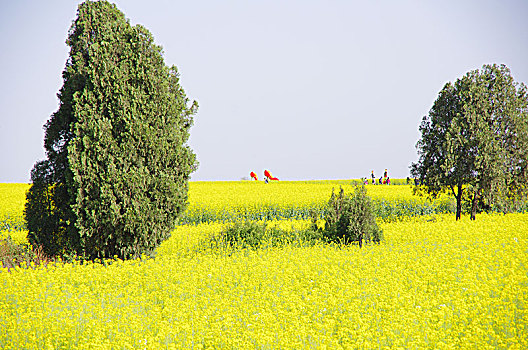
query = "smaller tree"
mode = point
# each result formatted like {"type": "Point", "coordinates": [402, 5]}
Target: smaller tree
{"type": "Point", "coordinates": [474, 140]}
{"type": "Point", "coordinates": [350, 218]}
{"type": "Point", "coordinates": [439, 168]}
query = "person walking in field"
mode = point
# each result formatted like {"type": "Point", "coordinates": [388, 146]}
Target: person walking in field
{"type": "Point", "coordinates": [373, 177]}
{"type": "Point", "coordinates": [269, 176]}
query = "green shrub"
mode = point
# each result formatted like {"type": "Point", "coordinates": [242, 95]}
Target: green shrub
{"type": "Point", "coordinates": [245, 234]}
{"type": "Point", "coordinates": [350, 218]}
{"type": "Point", "coordinates": [255, 235]}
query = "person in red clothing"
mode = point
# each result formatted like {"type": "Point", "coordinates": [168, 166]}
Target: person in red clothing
{"type": "Point", "coordinates": [253, 176]}
{"type": "Point", "coordinates": [269, 176]}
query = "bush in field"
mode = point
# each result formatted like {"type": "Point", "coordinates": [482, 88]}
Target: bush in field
{"type": "Point", "coordinates": [251, 234]}
{"type": "Point", "coordinates": [350, 218]}
{"type": "Point", "coordinates": [244, 234]}
{"type": "Point", "coordinates": [116, 175]}
{"type": "Point", "coordinates": [13, 254]}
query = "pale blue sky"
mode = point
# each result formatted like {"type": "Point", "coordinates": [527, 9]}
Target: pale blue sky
{"type": "Point", "coordinates": [306, 89]}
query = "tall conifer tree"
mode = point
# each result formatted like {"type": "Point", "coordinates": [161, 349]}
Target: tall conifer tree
{"type": "Point", "coordinates": [116, 175]}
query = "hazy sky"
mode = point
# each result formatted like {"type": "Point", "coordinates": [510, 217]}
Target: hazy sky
{"type": "Point", "coordinates": [306, 89]}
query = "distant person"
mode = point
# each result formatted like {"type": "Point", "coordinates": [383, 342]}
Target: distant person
{"type": "Point", "coordinates": [416, 181]}
{"type": "Point", "coordinates": [381, 181]}
{"type": "Point", "coordinates": [266, 180]}
{"type": "Point", "coordinates": [269, 176]}
{"type": "Point", "coordinates": [408, 180]}
{"type": "Point", "coordinates": [385, 174]}
{"type": "Point", "coordinates": [388, 181]}
{"type": "Point", "coordinates": [373, 177]}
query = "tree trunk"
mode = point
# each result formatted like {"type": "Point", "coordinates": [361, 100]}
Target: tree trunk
{"type": "Point", "coordinates": [459, 202]}
{"type": "Point", "coordinates": [360, 240]}
{"type": "Point", "coordinates": [474, 205]}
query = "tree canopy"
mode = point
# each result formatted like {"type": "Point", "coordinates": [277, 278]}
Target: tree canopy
{"type": "Point", "coordinates": [116, 175]}
{"type": "Point", "coordinates": [475, 141]}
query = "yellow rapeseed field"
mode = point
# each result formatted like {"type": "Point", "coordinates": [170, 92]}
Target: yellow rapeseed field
{"type": "Point", "coordinates": [12, 199]}
{"type": "Point", "coordinates": [433, 283]}
{"type": "Point", "coordinates": [299, 193]}
{"type": "Point", "coordinates": [213, 201]}
{"type": "Point", "coordinates": [219, 195]}
{"type": "Point", "coordinates": [232, 200]}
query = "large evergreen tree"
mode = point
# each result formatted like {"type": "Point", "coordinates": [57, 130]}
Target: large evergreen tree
{"type": "Point", "coordinates": [475, 140]}
{"type": "Point", "coordinates": [116, 175]}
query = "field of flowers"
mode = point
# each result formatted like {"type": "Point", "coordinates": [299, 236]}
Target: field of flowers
{"type": "Point", "coordinates": [12, 200]}
{"type": "Point", "coordinates": [228, 201]}
{"type": "Point", "coordinates": [235, 200]}
{"type": "Point", "coordinates": [432, 283]}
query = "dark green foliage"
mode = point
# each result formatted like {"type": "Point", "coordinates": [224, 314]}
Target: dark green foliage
{"type": "Point", "coordinates": [350, 218]}
{"type": "Point", "coordinates": [48, 214]}
{"type": "Point", "coordinates": [475, 142]}
{"type": "Point", "coordinates": [116, 175]}
{"type": "Point", "coordinates": [254, 235]}
{"type": "Point", "coordinates": [399, 210]}
{"type": "Point", "coordinates": [245, 234]}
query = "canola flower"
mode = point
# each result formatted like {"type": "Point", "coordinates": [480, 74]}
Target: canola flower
{"type": "Point", "coordinates": [12, 200]}
{"type": "Point", "coordinates": [235, 200]}
{"type": "Point", "coordinates": [226, 201]}
{"type": "Point", "coordinates": [433, 283]}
